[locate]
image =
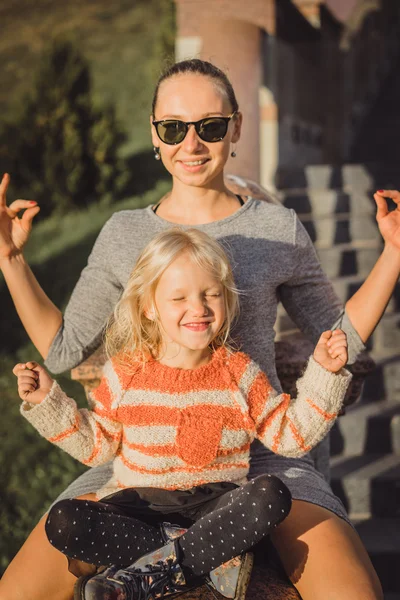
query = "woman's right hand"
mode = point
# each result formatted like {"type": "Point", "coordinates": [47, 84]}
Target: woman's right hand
{"type": "Point", "coordinates": [34, 382]}
{"type": "Point", "coordinates": [14, 231]}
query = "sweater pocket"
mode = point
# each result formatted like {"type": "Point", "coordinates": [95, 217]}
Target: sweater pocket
{"type": "Point", "coordinates": [198, 436]}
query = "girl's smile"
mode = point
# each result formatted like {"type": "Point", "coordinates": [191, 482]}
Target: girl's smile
{"type": "Point", "coordinates": [197, 326]}
{"type": "Point", "coordinates": [190, 307]}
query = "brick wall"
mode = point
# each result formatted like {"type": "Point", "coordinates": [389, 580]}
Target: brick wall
{"type": "Point", "coordinates": [191, 14]}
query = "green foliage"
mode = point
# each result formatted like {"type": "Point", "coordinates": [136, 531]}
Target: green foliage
{"type": "Point", "coordinates": [167, 29]}
{"type": "Point", "coordinates": [62, 150]}
{"type": "Point", "coordinates": [32, 471]}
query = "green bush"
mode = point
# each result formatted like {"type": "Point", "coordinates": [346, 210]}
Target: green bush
{"type": "Point", "coordinates": [61, 149]}
{"type": "Point", "coordinates": [32, 471]}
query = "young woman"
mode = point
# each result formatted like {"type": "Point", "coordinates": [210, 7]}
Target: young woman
{"type": "Point", "coordinates": [176, 412]}
{"type": "Point", "coordinates": [273, 259]}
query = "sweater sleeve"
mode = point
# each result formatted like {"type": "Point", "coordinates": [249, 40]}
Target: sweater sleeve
{"type": "Point", "coordinates": [92, 301]}
{"type": "Point", "coordinates": [309, 297]}
{"type": "Point", "coordinates": [91, 436]}
{"type": "Point", "coordinates": [293, 426]}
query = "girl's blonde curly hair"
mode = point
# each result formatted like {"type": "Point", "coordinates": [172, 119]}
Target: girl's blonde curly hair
{"type": "Point", "coordinates": [128, 330]}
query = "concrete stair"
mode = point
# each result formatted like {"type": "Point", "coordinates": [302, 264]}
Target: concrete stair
{"type": "Point", "coordinates": [380, 537]}
{"type": "Point", "coordinates": [336, 206]}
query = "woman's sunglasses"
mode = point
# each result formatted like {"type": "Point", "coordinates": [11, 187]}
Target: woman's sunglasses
{"type": "Point", "coordinates": [210, 129]}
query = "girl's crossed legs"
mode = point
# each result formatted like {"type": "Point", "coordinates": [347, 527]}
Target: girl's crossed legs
{"type": "Point", "coordinates": [101, 533]}
{"type": "Point", "coordinates": [322, 554]}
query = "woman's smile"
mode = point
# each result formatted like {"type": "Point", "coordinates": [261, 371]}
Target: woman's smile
{"type": "Point", "coordinates": [193, 166]}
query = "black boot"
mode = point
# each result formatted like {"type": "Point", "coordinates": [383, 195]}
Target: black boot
{"type": "Point", "coordinates": [155, 575]}
{"type": "Point", "coordinates": [230, 580]}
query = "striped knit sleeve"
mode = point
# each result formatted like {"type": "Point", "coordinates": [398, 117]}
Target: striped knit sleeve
{"type": "Point", "coordinates": [293, 426]}
{"type": "Point", "coordinates": [91, 436]}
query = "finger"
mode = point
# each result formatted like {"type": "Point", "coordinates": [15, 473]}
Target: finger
{"type": "Point", "coordinates": [3, 189]}
{"type": "Point", "coordinates": [381, 207]}
{"type": "Point", "coordinates": [338, 348]}
{"type": "Point", "coordinates": [24, 394]}
{"type": "Point", "coordinates": [393, 194]}
{"type": "Point", "coordinates": [325, 336]}
{"type": "Point", "coordinates": [339, 345]}
{"type": "Point", "coordinates": [27, 378]}
{"type": "Point", "coordinates": [337, 336]}
{"type": "Point", "coordinates": [19, 367]}
{"type": "Point", "coordinates": [27, 387]}
{"type": "Point", "coordinates": [18, 205]}
{"type": "Point", "coordinates": [337, 352]}
{"type": "Point", "coordinates": [28, 216]}
{"type": "Point", "coordinates": [34, 366]}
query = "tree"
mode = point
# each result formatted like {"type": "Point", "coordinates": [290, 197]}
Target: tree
{"type": "Point", "coordinates": [63, 150]}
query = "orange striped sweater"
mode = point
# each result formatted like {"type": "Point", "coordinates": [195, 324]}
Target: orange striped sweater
{"type": "Point", "coordinates": [175, 429]}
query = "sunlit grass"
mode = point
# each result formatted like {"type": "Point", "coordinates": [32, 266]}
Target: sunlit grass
{"type": "Point", "coordinates": [56, 234]}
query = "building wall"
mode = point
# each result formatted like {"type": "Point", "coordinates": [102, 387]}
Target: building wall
{"type": "Point", "coordinates": [277, 62]}
{"type": "Point", "coordinates": [228, 33]}
{"type": "Point", "coordinates": [342, 9]}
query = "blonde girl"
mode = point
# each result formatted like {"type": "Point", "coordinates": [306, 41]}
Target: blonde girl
{"type": "Point", "coordinates": [176, 412]}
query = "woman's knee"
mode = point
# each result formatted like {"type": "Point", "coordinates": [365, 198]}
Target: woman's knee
{"type": "Point", "coordinates": [313, 540]}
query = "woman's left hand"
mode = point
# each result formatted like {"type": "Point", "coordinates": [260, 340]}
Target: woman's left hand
{"type": "Point", "coordinates": [388, 221]}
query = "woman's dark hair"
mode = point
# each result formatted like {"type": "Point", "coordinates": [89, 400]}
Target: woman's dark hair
{"type": "Point", "coordinates": [200, 67]}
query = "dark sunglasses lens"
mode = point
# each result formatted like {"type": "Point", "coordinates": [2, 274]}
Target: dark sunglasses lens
{"type": "Point", "coordinates": [212, 130]}
{"type": "Point", "coordinates": [171, 132]}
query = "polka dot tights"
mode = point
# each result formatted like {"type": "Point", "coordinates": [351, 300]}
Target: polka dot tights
{"type": "Point", "coordinates": [240, 520]}
{"type": "Point", "coordinates": [97, 532]}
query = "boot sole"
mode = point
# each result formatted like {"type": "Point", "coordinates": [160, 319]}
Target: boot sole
{"type": "Point", "coordinates": [79, 587]}
{"type": "Point", "coordinates": [242, 583]}
{"type": "Point", "coordinates": [244, 576]}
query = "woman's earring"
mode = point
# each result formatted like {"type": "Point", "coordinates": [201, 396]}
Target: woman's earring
{"type": "Point", "coordinates": [157, 154]}
{"type": "Point", "coordinates": [233, 153]}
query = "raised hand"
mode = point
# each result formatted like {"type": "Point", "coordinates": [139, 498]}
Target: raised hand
{"type": "Point", "coordinates": [388, 221]}
{"type": "Point", "coordinates": [34, 383]}
{"type": "Point", "coordinates": [331, 350]}
{"type": "Point", "coordinates": [14, 231]}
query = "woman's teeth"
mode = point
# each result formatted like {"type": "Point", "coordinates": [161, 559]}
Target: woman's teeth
{"type": "Point", "coordinates": [194, 163]}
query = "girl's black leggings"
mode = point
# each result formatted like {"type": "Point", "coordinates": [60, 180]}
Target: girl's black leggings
{"type": "Point", "coordinates": [101, 533]}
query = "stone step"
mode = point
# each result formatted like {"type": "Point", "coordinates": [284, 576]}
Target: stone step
{"type": "Point", "coordinates": [368, 484]}
{"type": "Point", "coordinates": [343, 228]}
{"type": "Point", "coordinates": [387, 335]}
{"type": "Point", "coordinates": [371, 427]}
{"type": "Point", "coordinates": [349, 177]}
{"type": "Point", "coordinates": [384, 382]}
{"type": "Point", "coordinates": [345, 288]}
{"type": "Point", "coordinates": [349, 259]}
{"type": "Point", "coordinates": [321, 203]}
{"type": "Point", "coordinates": [381, 537]}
